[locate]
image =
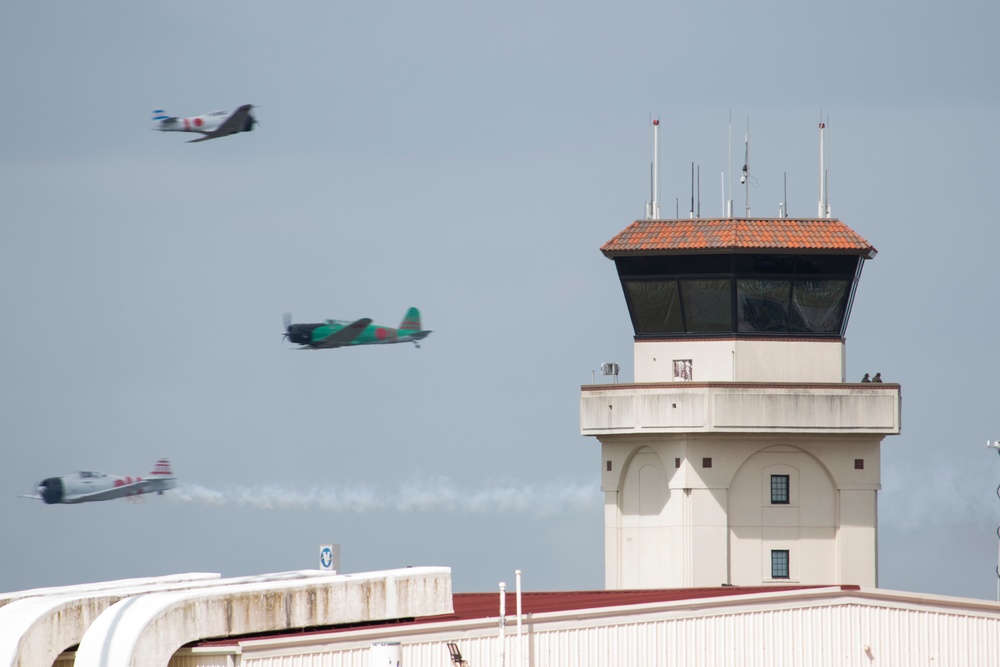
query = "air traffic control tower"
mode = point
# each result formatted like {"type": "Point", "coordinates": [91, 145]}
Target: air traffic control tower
{"type": "Point", "coordinates": [739, 454]}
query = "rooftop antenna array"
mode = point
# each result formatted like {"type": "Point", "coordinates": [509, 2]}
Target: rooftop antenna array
{"type": "Point", "coordinates": [823, 209]}
{"type": "Point", "coordinates": [653, 206]}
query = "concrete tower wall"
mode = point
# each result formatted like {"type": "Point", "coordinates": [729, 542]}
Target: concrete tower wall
{"type": "Point", "coordinates": [740, 360]}
{"type": "Point", "coordinates": [687, 510]}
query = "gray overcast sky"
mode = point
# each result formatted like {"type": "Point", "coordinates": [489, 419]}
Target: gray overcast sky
{"type": "Point", "coordinates": [469, 159]}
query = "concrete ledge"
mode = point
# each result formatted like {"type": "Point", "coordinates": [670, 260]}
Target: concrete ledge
{"type": "Point", "coordinates": [729, 407]}
{"type": "Point", "coordinates": [146, 630]}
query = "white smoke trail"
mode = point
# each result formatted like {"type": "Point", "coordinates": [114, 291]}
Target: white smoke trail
{"type": "Point", "coordinates": [417, 495]}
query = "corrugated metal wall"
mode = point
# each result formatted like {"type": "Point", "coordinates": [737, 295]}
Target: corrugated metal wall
{"type": "Point", "coordinates": [205, 661]}
{"type": "Point", "coordinates": [820, 636]}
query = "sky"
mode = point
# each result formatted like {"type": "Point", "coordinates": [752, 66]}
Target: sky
{"type": "Point", "coordinates": [468, 159]}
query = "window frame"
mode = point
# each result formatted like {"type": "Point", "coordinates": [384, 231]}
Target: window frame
{"type": "Point", "coordinates": [787, 489]}
{"type": "Point", "coordinates": [781, 558]}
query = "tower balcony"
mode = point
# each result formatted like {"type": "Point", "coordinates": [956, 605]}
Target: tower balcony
{"type": "Point", "coordinates": [739, 407]}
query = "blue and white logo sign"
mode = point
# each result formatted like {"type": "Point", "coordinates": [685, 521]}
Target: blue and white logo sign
{"type": "Point", "coordinates": [326, 557]}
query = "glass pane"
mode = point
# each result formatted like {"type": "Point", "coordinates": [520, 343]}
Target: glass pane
{"type": "Point", "coordinates": [672, 265]}
{"type": "Point", "coordinates": [818, 305]}
{"type": "Point", "coordinates": [695, 264]}
{"type": "Point", "coordinates": [779, 489]}
{"type": "Point", "coordinates": [762, 305]}
{"type": "Point", "coordinates": [707, 305]}
{"type": "Point", "coordinates": [779, 564]}
{"type": "Point", "coordinates": [655, 306]}
{"type": "Point", "coordinates": [828, 264]}
{"type": "Point", "coordinates": [762, 264]}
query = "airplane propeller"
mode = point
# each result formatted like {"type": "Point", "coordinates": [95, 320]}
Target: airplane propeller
{"type": "Point", "coordinates": [287, 318]}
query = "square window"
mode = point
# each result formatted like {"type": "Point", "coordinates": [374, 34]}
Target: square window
{"type": "Point", "coordinates": [779, 489]}
{"type": "Point", "coordinates": [683, 371]}
{"type": "Point", "coordinates": [859, 464]}
{"type": "Point", "coordinates": [779, 563]}
{"type": "Point", "coordinates": [706, 462]}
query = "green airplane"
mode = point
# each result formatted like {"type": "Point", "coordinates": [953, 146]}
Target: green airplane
{"type": "Point", "coordinates": [341, 333]}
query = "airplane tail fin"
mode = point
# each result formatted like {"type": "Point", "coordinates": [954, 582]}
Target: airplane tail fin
{"type": "Point", "coordinates": [411, 321]}
{"type": "Point", "coordinates": [162, 469]}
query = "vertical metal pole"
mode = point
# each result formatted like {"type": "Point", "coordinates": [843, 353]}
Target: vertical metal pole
{"type": "Point", "coordinates": [821, 208]}
{"type": "Point", "coordinates": [996, 445]}
{"type": "Point", "coordinates": [503, 621]}
{"type": "Point", "coordinates": [656, 169]}
{"type": "Point", "coordinates": [517, 574]}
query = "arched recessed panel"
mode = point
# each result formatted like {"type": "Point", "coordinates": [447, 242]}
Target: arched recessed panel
{"type": "Point", "coordinates": [644, 490]}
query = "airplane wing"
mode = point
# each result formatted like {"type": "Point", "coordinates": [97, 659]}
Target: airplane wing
{"type": "Point", "coordinates": [345, 335]}
{"type": "Point", "coordinates": [235, 123]}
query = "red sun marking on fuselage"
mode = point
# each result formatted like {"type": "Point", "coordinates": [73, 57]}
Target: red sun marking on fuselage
{"type": "Point", "coordinates": [380, 333]}
{"type": "Point", "coordinates": [198, 122]}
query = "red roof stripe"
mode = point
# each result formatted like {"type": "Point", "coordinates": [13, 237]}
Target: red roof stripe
{"type": "Point", "coordinates": [475, 606]}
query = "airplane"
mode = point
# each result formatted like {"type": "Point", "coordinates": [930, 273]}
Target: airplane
{"type": "Point", "coordinates": [86, 486]}
{"type": "Point", "coordinates": [212, 125]}
{"type": "Point", "coordinates": [341, 333]}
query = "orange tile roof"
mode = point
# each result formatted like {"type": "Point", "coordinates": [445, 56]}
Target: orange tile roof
{"type": "Point", "coordinates": [736, 234]}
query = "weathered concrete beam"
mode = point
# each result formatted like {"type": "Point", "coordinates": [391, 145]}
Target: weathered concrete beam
{"type": "Point", "coordinates": [35, 630]}
{"type": "Point", "coordinates": [145, 631]}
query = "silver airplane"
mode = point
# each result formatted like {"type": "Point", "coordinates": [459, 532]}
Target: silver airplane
{"type": "Point", "coordinates": [211, 125]}
{"type": "Point", "coordinates": [86, 486]}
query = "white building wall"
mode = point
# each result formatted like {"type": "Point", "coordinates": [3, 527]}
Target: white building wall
{"type": "Point", "coordinates": [670, 522]}
{"type": "Point", "coordinates": [767, 630]}
{"type": "Point", "coordinates": [741, 360]}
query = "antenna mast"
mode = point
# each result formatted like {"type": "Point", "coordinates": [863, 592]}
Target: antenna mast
{"type": "Point", "coordinates": [823, 210]}
{"type": "Point", "coordinates": [653, 206]}
{"type": "Point", "coordinates": [826, 172]}
{"type": "Point", "coordinates": [745, 176]}
{"type": "Point", "coordinates": [722, 187]}
{"type": "Point", "coordinates": [784, 202]}
{"type": "Point", "coordinates": [691, 210]}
